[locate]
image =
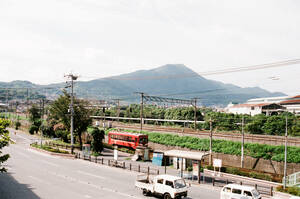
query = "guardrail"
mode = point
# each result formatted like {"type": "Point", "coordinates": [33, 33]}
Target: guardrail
{"type": "Point", "coordinates": [119, 164]}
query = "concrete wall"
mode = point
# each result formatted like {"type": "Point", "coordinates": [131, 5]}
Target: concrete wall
{"type": "Point", "coordinates": [235, 161]}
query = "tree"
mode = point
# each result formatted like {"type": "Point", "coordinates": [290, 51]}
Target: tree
{"type": "Point", "coordinates": [4, 141]}
{"type": "Point", "coordinates": [35, 119]}
{"type": "Point", "coordinates": [98, 136]}
{"type": "Point", "coordinates": [59, 112]}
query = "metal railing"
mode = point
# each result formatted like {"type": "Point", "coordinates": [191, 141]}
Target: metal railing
{"type": "Point", "coordinates": [120, 164]}
{"type": "Point", "coordinates": [293, 179]}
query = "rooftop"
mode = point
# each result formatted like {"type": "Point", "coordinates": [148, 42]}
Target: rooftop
{"type": "Point", "coordinates": [186, 154]}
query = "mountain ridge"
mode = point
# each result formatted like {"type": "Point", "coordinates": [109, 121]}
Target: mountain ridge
{"type": "Point", "coordinates": [171, 80]}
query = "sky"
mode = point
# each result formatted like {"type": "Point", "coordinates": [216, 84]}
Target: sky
{"type": "Point", "coordinates": [41, 40]}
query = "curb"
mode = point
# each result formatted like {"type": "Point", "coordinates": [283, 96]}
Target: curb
{"type": "Point", "coordinates": [54, 154]}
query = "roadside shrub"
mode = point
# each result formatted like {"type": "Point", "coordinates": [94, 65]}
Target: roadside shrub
{"type": "Point", "coordinates": [290, 190]}
{"type": "Point", "coordinates": [62, 134]}
{"type": "Point", "coordinates": [260, 176]}
{"type": "Point", "coordinates": [98, 136]}
{"type": "Point", "coordinates": [47, 130]}
{"type": "Point", "coordinates": [17, 125]}
{"type": "Point", "coordinates": [33, 129]}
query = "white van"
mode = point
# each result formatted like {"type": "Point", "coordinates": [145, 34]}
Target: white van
{"type": "Point", "coordinates": [235, 191]}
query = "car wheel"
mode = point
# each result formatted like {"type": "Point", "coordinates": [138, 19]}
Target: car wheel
{"type": "Point", "coordinates": [145, 192]}
{"type": "Point", "coordinates": [167, 196]}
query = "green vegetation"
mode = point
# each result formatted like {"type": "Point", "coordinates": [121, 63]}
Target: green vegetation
{"type": "Point", "coordinates": [49, 148]}
{"type": "Point", "coordinates": [4, 141]}
{"type": "Point", "coordinates": [258, 124]}
{"type": "Point", "coordinates": [98, 136]}
{"type": "Point", "coordinates": [243, 172]}
{"type": "Point", "coordinates": [254, 150]}
{"type": "Point", "coordinates": [59, 118]}
{"type": "Point", "coordinates": [17, 124]}
{"type": "Point", "coordinates": [35, 119]}
{"type": "Point", "coordinates": [290, 190]}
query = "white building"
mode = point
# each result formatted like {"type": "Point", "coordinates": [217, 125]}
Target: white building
{"type": "Point", "coordinates": [255, 109]}
{"type": "Point", "coordinates": [266, 106]}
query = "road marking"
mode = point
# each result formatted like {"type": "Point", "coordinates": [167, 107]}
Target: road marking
{"type": "Point", "coordinates": [92, 175]}
{"type": "Point", "coordinates": [87, 196]}
{"type": "Point", "coordinates": [71, 179]}
{"type": "Point", "coordinates": [49, 163]}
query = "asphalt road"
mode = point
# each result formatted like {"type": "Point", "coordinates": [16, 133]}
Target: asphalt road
{"type": "Point", "coordinates": [33, 174]}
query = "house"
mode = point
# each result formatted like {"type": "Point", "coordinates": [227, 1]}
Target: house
{"type": "Point", "coordinates": [292, 104]}
{"type": "Point", "coordinates": [268, 106]}
{"type": "Point", "coordinates": [255, 109]}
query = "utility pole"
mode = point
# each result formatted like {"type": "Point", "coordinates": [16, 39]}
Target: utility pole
{"type": "Point", "coordinates": [243, 142]}
{"type": "Point", "coordinates": [7, 106]}
{"type": "Point", "coordinates": [285, 151]}
{"type": "Point", "coordinates": [27, 101]}
{"type": "Point", "coordinates": [73, 78]}
{"type": "Point", "coordinates": [142, 107]}
{"type": "Point", "coordinates": [195, 113]}
{"type": "Point", "coordinates": [118, 108]}
{"type": "Point", "coordinates": [42, 104]}
{"type": "Point", "coordinates": [210, 142]}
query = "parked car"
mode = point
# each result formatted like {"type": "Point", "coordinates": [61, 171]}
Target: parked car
{"type": "Point", "coordinates": [235, 191]}
{"type": "Point", "coordinates": [166, 186]}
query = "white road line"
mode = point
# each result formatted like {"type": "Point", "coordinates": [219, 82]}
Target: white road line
{"type": "Point", "coordinates": [92, 175]}
{"type": "Point", "coordinates": [71, 179]}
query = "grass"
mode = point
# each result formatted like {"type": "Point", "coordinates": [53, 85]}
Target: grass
{"type": "Point", "coordinates": [64, 143]}
{"type": "Point", "coordinates": [48, 148]}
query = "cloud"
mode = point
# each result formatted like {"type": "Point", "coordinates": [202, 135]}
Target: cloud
{"type": "Point", "coordinates": [101, 38]}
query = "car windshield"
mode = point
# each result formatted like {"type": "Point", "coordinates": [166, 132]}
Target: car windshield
{"type": "Point", "coordinates": [255, 193]}
{"type": "Point", "coordinates": [179, 184]}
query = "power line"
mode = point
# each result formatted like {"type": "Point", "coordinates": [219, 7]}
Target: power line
{"type": "Point", "coordinates": [213, 72]}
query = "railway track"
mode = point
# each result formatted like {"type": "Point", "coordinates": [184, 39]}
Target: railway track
{"type": "Point", "coordinates": [252, 138]}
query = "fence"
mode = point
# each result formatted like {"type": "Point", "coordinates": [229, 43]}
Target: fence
{"type": "Point", "coordinates": [120, 164]}
{"type": "Point", "coordinates": [293, 179]}
{"type": "Point", "coordinates": [222, 181]}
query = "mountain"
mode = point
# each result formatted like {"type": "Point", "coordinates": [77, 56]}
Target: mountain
{"type": "Point", "coordinates": [177, 81]}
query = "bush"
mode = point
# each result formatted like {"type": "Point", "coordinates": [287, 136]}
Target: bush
{"type": "Point", "coordinates": [17, 125]}
{"type": "Point", "coordinates": [47, 130]}
{"type": "Point", "coordinates": [290, 190]}
{"type": "Point", "coordinates": [48, 148]}
{"type": "Point", "coordinates": [98, 136]}
{"type": "Point", "coordinates": [63, 134]}
{"type": "Point", "coordinates": [33, 129]}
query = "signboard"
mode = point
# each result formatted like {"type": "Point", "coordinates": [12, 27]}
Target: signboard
{"type": "Point", "coordinates": [157, 159]}
{"type": "Point", "coordinates": [217, 163]}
